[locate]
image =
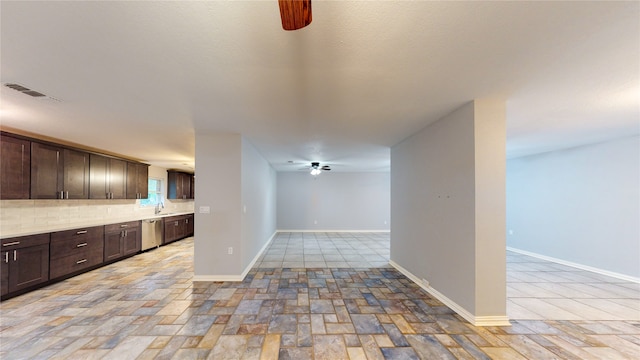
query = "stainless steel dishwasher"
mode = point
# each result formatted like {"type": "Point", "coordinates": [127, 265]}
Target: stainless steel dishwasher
{"type": "Point", "coordinates": [151, 233]}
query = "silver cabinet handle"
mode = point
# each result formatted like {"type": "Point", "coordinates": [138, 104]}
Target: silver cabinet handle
{"type": "Point", "coordinates": [124, 225]}
{"type": "Point", "coordinates": [11, 243]}
{"type": "Point", "coordinates": [66, 195]}
{"type": "Point", "coordinates": [81, 232]}
{"type": "Point", "coordinates": [6, 257]}
{"type": "Point", "coordinates": [177, 223]}
{"type": "Point", "coordinates": [15, 255]}
{"type": "Point", "coordinates": [81, 261]}
{"type": "Point", "coordinates": [81, 245]}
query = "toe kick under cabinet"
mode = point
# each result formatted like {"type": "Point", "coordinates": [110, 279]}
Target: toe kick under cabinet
{"type": "Point", "coordinates": [76, 250]}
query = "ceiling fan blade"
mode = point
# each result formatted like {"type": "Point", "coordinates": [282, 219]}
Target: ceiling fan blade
{"type": "Point", "coordinates": [326, 167]}
{"type": "Point", "coordinates": [295, 14]}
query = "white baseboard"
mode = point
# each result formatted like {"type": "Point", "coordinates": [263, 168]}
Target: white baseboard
{"type": "Point", "coordinates": [474, 320]}
{"type": "Point", "coordinates": [577, 266]}
{"type": "Point", "coordinates": [335, 231]}
{"type": "Point", "coordinates": [236, 277]}
{"type": "Point", "coordinates": [255, 258]}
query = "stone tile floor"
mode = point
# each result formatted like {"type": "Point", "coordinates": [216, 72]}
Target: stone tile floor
{"type": "Point", "coordinates": [147, 307]}
{"type": "Point", "coordinates": [539, 289]}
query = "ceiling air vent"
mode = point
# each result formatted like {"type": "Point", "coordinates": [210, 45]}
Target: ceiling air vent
{"type": "Point", "coordinates": [26, 90]}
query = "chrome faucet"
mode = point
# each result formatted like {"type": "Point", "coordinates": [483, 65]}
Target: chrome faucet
{"type": "Point", "coordinates": [159, 207]}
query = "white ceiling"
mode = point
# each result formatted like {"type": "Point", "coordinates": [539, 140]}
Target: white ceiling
{"type": "Point", "coordinates": [140, 78]}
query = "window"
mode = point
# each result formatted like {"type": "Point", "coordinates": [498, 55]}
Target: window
{"type": "Point", "coordinates": [155, 193]}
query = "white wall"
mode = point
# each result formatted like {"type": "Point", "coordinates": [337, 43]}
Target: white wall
{"type": "Point", "coordinates": [336, 201]}
{"type": "Point", "coordinates": [259, 200]}
{"type": "Point", "coordinates": [580, 205]}
{"type": "Point", "coordinates": [447, 209]}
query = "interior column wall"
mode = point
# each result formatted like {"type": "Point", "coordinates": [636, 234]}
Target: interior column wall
{"type": "Point", "coordinates": [447, 209]}
{"type": "Point", "coordinates": [220, 192]}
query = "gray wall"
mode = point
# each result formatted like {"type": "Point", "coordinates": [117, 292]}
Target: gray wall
{"type": "Point", "coordinates": [580, 205]}
{"type": "Point", "coordinates": [337, 201]}
{"type": "Point", "coordinates": [231, 175]}
{"type": "Point", "coordinates": [259, 200]}
{"type": "Point", "coordinates": [218, 186]}
{"type": "Point", "coordinates": [447, 207]}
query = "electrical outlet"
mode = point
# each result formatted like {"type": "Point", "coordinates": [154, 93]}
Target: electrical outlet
{"type": "Point", "coordinates": [385, 222]}
{"type": "Point", "coordinates": [230, 250]}
{"type": "Point", "coordinates": [315, 222]}
{"type": "Point", "coordinates": [510, 231]}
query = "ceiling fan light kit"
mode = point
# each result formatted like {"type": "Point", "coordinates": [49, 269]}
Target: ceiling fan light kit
{"type": "Point", "coordinates": [317, 170]}
{"type": "Point", "coordinates": [295, 14]}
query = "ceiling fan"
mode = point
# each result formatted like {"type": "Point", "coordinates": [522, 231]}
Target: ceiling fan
{"type": "Point", "coordinates": [295, 14]}
{"type": "Point", "coordinates": [316, 169]}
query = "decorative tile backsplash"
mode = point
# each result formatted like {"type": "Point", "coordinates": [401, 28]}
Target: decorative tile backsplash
{"type": "Point", "coordinates": [26, 215]}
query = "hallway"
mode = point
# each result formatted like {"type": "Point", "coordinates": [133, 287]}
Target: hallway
{"type": "Point", "coordinates": [147, 307]}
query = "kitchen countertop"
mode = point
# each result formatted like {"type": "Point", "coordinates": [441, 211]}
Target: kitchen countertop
{"type": "Point", "coordinates": [62, 227]}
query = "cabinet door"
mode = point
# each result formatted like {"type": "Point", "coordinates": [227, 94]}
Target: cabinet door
{"type": "Point", "coordinates": [30, 266]}
{"type": "Point", "coordinates": [186, 186]}
{"type": "Point", "coordinates": [46, 171]}
{"type": "Point", "coordinates": [132, 241]}
{"type": "Point", "coordinates": [118, 178]}
{"type": "Point", "coordinates": [15, 168]}
{"type": "Point", "coordinates": [189, 222]}
{"type": "Point", "coordinates": [137, 181]}
{"type": "Point", "coordinates": [76, 174]}
{"type": "Point", "coordinates": [132, 181]}
{"type": "Point", "coordinates": [143, 180]}
{"type": "Point", "coordinates": [98, 179]}
{"type": "Point", "coordinates": [193, 187]}
{"type": "Point", "coordinates": [171, 229]}
{"type": "Point", "coordinates": [174, 185]}
{"type": "Point", "coordinates": [4, 273]}
{"type": "Point", "coordinates": [113, 245]}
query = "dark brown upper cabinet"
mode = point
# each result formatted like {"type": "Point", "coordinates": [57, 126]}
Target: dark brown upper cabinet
{"type": "Point", "coordinates": [137, 181]}
{"type": "Point", "coordinates": [179, 185]}
{"type": "Point", "coordinates": [58, 173]}
{"type": "Point", "coordinates": [108, 178]}
{"type": "Point", "coordinates": [15, 167]}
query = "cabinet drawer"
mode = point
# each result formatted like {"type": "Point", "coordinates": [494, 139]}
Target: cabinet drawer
{"type": "Point", "coordinates": [24, 241]}
{"type": "Point", "coordinates": [121, 226]}
{"type": "Point", "coordinates": [73, 242]}
{"type": "Point", "coordinates": [79, 260]}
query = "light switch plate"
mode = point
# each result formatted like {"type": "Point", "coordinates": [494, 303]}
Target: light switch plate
{"type": "Point", "coordinates": [204, 209]}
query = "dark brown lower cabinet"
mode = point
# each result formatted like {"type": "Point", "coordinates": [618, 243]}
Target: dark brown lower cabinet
{"type": "Point", "coordinates": [25, 262]}
{"type": "Point", "coordinates": [177, 227]}
{"type": "Point", "coordinates": [171, 229]}
{"type": "Point", "coordinates": [121, 240]}
{"type": "Point", "coordinates": [76, 250]}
